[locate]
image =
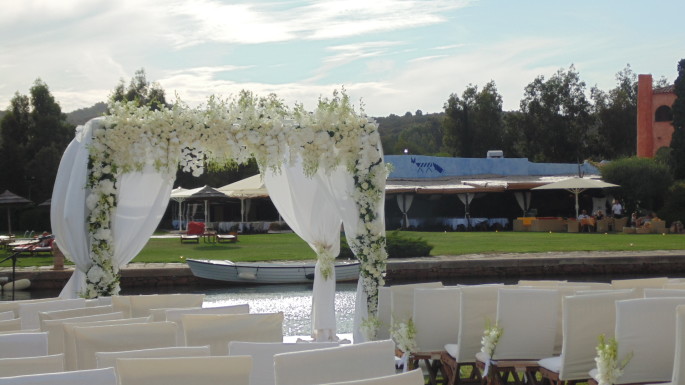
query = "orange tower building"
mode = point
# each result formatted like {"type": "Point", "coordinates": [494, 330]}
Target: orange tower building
{"type": "Point", "coordinates": [654, 116]}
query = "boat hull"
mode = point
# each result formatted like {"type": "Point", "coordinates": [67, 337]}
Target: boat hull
{"type": "Point", "coordinates": [267, 273]}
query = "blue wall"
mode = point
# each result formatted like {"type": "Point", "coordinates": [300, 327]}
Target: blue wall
{"type": "Point", "coordinates": [420, 166]}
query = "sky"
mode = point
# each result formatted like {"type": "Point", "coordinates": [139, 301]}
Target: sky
{"type": "Point", "coordinates": [391, 56]}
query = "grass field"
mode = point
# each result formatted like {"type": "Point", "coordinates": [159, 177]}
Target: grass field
{"type": "Point", "coordinates": [290, 247]}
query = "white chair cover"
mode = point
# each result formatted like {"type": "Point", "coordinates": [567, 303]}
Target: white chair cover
{"type": "Point", "coordinates": [384, 313]}
{"type": "Point", "coordinates": [55, 328]}
{"type": "Point", "coordinates": [185, 370]}
{"type": "Point", "coordinates": [656, 293]}
{"type": "Point", "coordinates": [70, 350]}
{"type": "Point", "coordinates": [105, 376]}
{"type": "Point", "coordinates": [100, 301]}
{"type": "Point", "coordinates": [529, 320]}
{"type": "Point", "coordinates": [23, 345]}
{"type": "Point", "coordinates": [678, 377]}
{"type": "Point", "coordinates": [7, 315]}
{"type": "Point", "coordinates": [584, 318]}
{"type": "Point", "coordinates": [109, 359]}
{"type": "Point", "coordinates": [122, 303]}
{"type": "Point", "coordinates": [344, 363]}
{"type": "Point", "coordinates": [217, 330]}
{"type": "Point", "coordinates": [10, 324]}
{"type": "Point", "coordinates": [141, 304]}
{"type": "Point", "coordinates": [646, 327]}
{"type": "Point", "coordinates": [477, 306]}
{"type": "Point", "coordinates": [433, 327]}
{"type": "Point", "coordinates": [73, 313]}
{"type": "Point", "coordinates": [174, 315]}
{"type": "Point", "coordinates": [262, 354]}
{"type": "Point", "coordinates": [414, 377]}
{"type": "Point", "coordinates": [402, 300]}
{"type": "Point", "coordinates": [14, 305]}
{"type": "Point", "coordinates": [142, 199]}
{"type": "Point", "coordinates": [28, 312]}
{"type": "Point", "coordinates": [640, 283]}
{"type": "Point", "coordinates": [10, 367]}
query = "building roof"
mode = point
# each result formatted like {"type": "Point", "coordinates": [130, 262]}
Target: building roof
{"type": "Point", "coordinates": [665, 90]}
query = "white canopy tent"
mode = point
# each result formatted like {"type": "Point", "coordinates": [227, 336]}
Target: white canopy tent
{"type": "Point", "coordinates": [246, 190]}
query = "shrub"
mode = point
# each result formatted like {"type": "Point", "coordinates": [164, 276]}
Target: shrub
{"type": "Point", "coordinates": [674, 204]}
{"type": "Point", "coordinates": [643, 182]}
{"type": "Point", "coordinates": [398, 246]}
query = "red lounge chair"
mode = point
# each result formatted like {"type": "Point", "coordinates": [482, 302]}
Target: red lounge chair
{"type": "Point", "coordinates": [194, 232]}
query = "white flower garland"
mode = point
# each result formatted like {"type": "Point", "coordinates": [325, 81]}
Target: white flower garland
{"type": "Point", "coordinates": [404, 335]}
{"type": "Point", "coordinates": [491, 336]}
{"type": "Point", "coordinates": [609, 369]}
{"type": "Point", "coordinates": [232, 131]}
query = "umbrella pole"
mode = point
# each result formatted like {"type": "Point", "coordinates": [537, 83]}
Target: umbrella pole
{"type": "Point", "coordinates": [206, 214]}
{"type": "Point", "coordinates": [577, 192]}
{"type": "Point", "coordinates": [9, 222]}
{"type": "Point", "coordinates": [180, 215]}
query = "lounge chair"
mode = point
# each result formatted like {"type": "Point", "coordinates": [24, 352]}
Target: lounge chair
{"type": "Point", "coordinates": [227, 238]}
{"type": "Point", "coordinates": [194, 232]}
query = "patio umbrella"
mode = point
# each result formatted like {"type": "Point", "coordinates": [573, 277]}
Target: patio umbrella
{"type": "Point", "coordinates": [576, 186]}
{"type": "Point", "coordinates": [179, 195]}
{"type": "Point", "coordinates": [10, 199]}
{"type": "Point", "coordinates": [206, 194]}
{"type": "Point", "coordinates": [246, 189]}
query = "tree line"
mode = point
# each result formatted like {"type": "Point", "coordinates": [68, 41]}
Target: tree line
{"type": "Point", "coordinates": [559, 120]}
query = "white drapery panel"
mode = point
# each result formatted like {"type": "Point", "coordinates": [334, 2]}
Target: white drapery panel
{"type": "Point", "coordinates": [404, 201]}
{"type": "Point", "coordinates": [340, 185]}
{"type": "Point", "coordinates": [68, 207]}
{"type": "Point", "coordinates": [142, 199]}
{"type": "Point", "coordinates": [523, 199]}
{"type": "Point", "coordinates": [311, 213]}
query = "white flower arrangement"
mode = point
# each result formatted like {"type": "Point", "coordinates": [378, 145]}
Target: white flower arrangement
{"type": "Point", "coordinates": [609, 369]}
{"type": "Point", "coordinates": [326, 259]}
{"type": "Point", "coordinates": [404, 335]}
{"type": "Point", "coordinates": [369, 328]}
{"type": "Point", "coordinates": [226, 132]}
{"type": "Point", "coordinates": [491, 336]}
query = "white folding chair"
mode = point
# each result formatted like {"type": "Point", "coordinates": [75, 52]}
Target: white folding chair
{"type": "Point", "coordinates": [263, 353]}
{"type": "Point", "coordinates": [13, 306]}
{"type": "Point", "coordinates": [528, 318]}
{"type": "Point", "coordinates": [217, 330]}
{"type": "Point", "coordinates": [185, 370]}
{"type": "Point", "coordinates": [55, 328]}
{"type": "Point", "coordinates": [23, 345]}
{"type": "Point", "coordinates": [477, 306]}
{"type": "Point", "coordinates": [7, 315]}
{"type": "Point", "coordinates": [384, 311]}
{"type": "Point", "coordinates": [656, 293]}
{"type": "Point", "coordinates": [10, 324]}
{"type": "Point", "coordinates": [174, 315]}
{"type": "Point", "coordinates": [109, 359]}
{"type": "Point", "coordinates": [646, 327]}
{"type": "Point", "coordinates": [105, 376]}
{"type": "Point", "coordinates": [142, 304]}
{"type": "Point", "coordinates": [584, 318]}
{"type": "Point", "coordinates": [639, 283]}
{"type": "Point", "coordinates": [70, 352]}
{"type": "Point", "coordinates": [413, 377]}
{"type": "Point", "coordinates": [28, 312]}
{"type": "Point", "coordinates": [21, 366]}
{"type": "Point", "coordinates": [344, 363]}
{"type": "Point", "coordinates": [112, 338]}
{"type": "Point", "coordinates": [73, 313]}
{"type": "Point", "coordinates": [433, 327]}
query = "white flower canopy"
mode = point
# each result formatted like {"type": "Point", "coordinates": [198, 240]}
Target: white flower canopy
{"type": "Point", "coordinates": [127, 162]}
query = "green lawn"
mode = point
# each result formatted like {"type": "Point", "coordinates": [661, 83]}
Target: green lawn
{"type": "Point", "coordinates": [291, 247]}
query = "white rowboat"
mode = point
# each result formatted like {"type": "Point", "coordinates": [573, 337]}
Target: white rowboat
{"type": "Point", "coordinates": [268, 272]}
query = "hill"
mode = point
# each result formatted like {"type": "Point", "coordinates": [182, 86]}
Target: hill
{"type": "Point", "coordinates": [81, 116]}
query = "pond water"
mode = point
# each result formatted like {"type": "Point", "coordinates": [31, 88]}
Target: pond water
{"type": "Point", "coordinates": [295, 301]}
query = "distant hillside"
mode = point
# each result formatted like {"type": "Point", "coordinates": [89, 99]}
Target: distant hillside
{"type": "Point", "coordinates": [83, 115]}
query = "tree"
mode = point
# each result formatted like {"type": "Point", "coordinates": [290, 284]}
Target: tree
{"type": "Point", "coordinates": [674, 203]}
{"type": "Point", "coordinates": [678, 138]}
{"type": "Point", "coordinates": [643, 182]}
{"type": "Point", "coordinates": [616, 113]}
{"type": "Point", "coordinates": [141, 91]}
{"type": "Point", "coordinates": [558, 117]}
{"type": "Point", "coordinates": [473, 123]}
{"type": "Point", "coordinates": [34, 135]}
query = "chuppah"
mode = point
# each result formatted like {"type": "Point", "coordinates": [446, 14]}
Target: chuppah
{"type": "Point", "coordinates": [322, 168]}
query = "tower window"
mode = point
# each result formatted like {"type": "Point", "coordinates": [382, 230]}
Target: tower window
{"type": "Point", "coordinates": [663, 114]}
